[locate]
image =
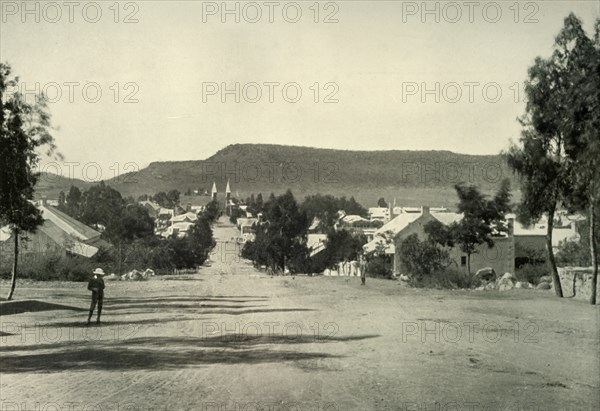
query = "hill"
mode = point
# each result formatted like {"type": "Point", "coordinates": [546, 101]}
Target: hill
{"type": "Point", "coordinates": [412, 177]}
{"type": "Point", "coordinates": [50, 185]}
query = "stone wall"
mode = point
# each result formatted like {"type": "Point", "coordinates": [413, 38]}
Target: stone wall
{"type": "Point", "coordinates": [583, 282]}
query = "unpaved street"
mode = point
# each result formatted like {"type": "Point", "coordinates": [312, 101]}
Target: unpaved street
{"type": "Point", "coordinates": [231, 338]}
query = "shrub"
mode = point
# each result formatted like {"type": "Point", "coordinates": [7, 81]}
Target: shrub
{"type": "Point", "coordinates": [380, 266]}
{"type": "Point", "coordinates": [531, 272]}
{"type": "Point", "coordinates": [50, 267]}
{"type": "Point", "coordinates": [421, 258]}
{"type": "Point", "coordinates": [450, 278]}
{"type": "Point", "coordinates": [573, 253]}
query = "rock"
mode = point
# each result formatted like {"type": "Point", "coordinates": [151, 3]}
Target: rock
{"type": "Point", "coordinates": [508, 276]}
{"type": "Point", "coordinates": [524, 285]}
{"type": "Point", "coordinates": [505, 284]}
{"type": "Point", "coordinates": [543, 286]}
{"type": "Point", "coordinates": [490, 286]}
{"type": "Point", "coordinates": [486, 274]}
{"type": "Point", "coordinates": [404, 277]}
{"type": "Point", "coordinates": [480, 288]}
{"type": "Point", "coordinates": [545, 279]}
{"type": "Point", "coordinates": [111, 277]}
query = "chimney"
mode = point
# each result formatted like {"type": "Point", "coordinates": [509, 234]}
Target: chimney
{"type": "Point", "coordinates": [425, 209]}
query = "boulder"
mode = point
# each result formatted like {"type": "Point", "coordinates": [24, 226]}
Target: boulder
{"type": "Point", "coordinates": [404, 277]}
{"type": "Point", "coordinates": [543, 286]}
{"type": "Point", "coordinates": [480, 288]}
{"type": "Point", "coordinates": [486, 274]}
{"type": "Point", "coordinates": [545, 279]}
{"type": "Point", "coordinates": [508, 276]}
{"type": "Point", "coordinates": [111, 277]}
{"type": "Point", "coordinates": [490, 286]}
{"type": "Point", "coordinates": [505, 284]}
{"type": "Point", "coordinates": [523, 284]}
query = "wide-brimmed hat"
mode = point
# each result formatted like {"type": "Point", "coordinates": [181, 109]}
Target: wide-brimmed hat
{"type": "Point", "coordinates": [98, 271]}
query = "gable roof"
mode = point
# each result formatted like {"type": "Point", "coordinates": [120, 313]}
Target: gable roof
{"type": "Point", "coordinates": [152, 204]}
{"type": "Point", "coordinates": [189, 216]}
{"type": "Point", "coordinates": [66, 241]}
{"type": "Point", "coordinates": [398, 224]}
{"type": "Point", "coordinates": [402, 221]}
{"type": "Point", "coordinates": [68, 224]}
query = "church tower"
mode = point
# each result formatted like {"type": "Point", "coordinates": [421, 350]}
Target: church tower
{"type": "Point", "coordinates": [213, 192]}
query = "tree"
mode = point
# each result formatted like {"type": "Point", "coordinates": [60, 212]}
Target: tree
{"type": "Point", "coordinates": [25, 128]}
{"type": "Point", "coordinates": [173, 198]}
{"type": "Point", "coordinates": [73, 202]}
{"type": "Point", "coordinates": [192, 250]}
{"type": "Point", "coordinates": [582, 134]}
{"type": "Point", "coordinates": [235, 214]}
{"type": "Point", "coordinates": [281, 238]}
{"type": "Point", "coordinates": [134, 223]}
{"type": "Point", "coordinates": [211, 211]}
{"type": "Point", "coordinates": [341, 245]}
{"type": "Point", "coordinates": [553, 133]}
{"type": "Point", "coordinates": [482, 219]}
{"type": "Point", "coordinates": [161, 199]}
{"type": "Point", "coordinates": [422, 258]}
{"type": "Point", "coordinates": [62, 201]}
{"type": "Point", "coordinates": [287, 226]}
{"type": "Point", "coordinates": [326, 209]}
{"type": "Point", "coordinates": [381, 203]}
{"type": "Point", "coordinates": [102, 204]}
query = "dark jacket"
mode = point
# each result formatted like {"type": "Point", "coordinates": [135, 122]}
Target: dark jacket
{"type": "Point", "coordinates": [96, 284]}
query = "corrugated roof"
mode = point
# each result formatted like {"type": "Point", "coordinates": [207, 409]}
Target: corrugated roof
{"type": "Point", "coordinates": [398, 224]}
{"type": "Point", "coordinates": [69, 224]}
{"type": "Point", "coordinates": [189, 216]}
{"type": "Point", "coordinates": [69, 243]}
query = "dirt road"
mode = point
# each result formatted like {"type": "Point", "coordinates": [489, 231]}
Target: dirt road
{"type": "Point", "coordinates": [231, 338]}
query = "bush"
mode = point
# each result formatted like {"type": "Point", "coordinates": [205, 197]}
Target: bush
{"type": "Point", "coordinates": [531, 273]}
{"type": "Point", "coordinates": [50, 267]}
{"type": "Point", "coordinates": [574, 254]}
{"type": "Point", "coordinates": [450, 278]}
{"type": "Point", "coordinates": [380, 266]}
{"type": "Point", "coordinates": [421, 258]}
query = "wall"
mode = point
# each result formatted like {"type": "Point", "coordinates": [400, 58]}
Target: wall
{"type": "Point", "coordinates": [501, 257]}
{"type": "Point", "coordinates": [583, 280]}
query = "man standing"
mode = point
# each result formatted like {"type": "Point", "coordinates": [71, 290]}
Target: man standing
{"type": "Point", "coordinates": [96, 286]}
{"type": "Point", "coordinates": [363, 269]}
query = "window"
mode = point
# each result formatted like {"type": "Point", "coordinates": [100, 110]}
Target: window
{"type": "Point", "coordinates": [463, 260]}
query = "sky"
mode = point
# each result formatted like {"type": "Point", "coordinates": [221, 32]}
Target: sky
{"type": "Point", "coordinates": [142, 81]}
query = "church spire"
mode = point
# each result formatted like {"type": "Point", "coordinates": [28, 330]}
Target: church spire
{"type": "Point", "coordinates": [227, 191]}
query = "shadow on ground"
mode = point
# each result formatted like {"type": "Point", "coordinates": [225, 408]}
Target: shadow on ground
{"type": "Point", "coordinates": [26, 306]}
{"type": "Point", "coordinates": [164, 353]}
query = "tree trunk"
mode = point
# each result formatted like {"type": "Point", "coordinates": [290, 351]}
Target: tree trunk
{"type": "Point", "coordinates": [469, 263]}
{"type": "Point", "coordinates": [551, 260]}
{"type": "Point", "coordinates": [14, 269]}
{"type": "Point", "coordinates": [593, 251]}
